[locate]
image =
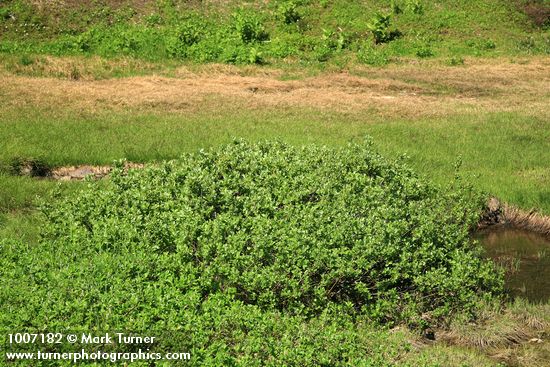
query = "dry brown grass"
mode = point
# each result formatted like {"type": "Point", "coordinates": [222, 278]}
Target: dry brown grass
{"type": "Point", "coordinates": [407, 91]}
{"type": "Point", "coordinates": [530, 220]}
{"type": "Point", "coordinates": [516, 335]}
{"type": "Point", "coordinates": [79, 68]}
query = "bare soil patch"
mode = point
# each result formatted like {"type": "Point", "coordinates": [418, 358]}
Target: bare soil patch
{"type": "Point", "coordinates": [78, 173]}
{"type": "Point", "coordinates": [36, 168]}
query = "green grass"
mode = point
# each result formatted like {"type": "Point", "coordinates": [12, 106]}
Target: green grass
{"type": "Point", "coordinates": [506, 154]}
{"type": "Point", "coordinates": [23, 225]}
{"type": "Point", "coordinates": [20, 193]}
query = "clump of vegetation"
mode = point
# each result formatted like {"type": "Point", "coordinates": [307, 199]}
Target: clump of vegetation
{"type": "Point", "coordinates": [26, 60]}
{"type": "Point", "coordinates": [332, 41]}
{"type": "Point", "coordinates": [249, 26]}
{"type": "Point", "coordinates": [370, 55]}
{"type": "Point", "coordinates": [455, 61]}
{"type": "Point", "coordinates": [415, 6]}
{"type": "Point", "coordinates": [424, 52]}
{"type": "Point", "coordinates": [396, 7]}
{"type": "Point", "coordinates": [379, 27]}
{"type": "Point", "coordinates": [251, 234]}
{"type": "Point", "coordinates": [186, 35]}
{"type": "Point", "coordinates": [28, 166]}
{"type": "Point", "coordinates": [288, 12]}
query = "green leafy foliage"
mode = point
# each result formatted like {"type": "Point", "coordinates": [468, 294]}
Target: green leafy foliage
{"type": "Point", "coordinates": [237, 248]}
{"type": "Point", "coordinates": [415, 6]}
{"type": "Point", "coordinates": [455, 61]}
{"type": "Point", "coordinates": [379, 27]}
{"type": "Point", "coordinates": [249, 26]}
{"type": "Point", "coordinates": [187, 34]}
{"type": "Point", "coordinates": [332, 41]}
{"type": "Point", "coordinates": [288, 12]}
{"type": "Point", "coordinates": [153, 19]}
{"type": "Point", "coordinates": [395, 7]}
{"type": "Point", "coordinates": [424, 52]}
{"type": "Point", "coordinates": [26, 60]}
{"type": "Point", "coordinates": [481, 44]}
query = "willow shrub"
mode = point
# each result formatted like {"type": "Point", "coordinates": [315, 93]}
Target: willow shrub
{"type": "Point", "coordinates": [242, 249]}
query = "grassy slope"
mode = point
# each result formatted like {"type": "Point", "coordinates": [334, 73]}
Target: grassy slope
{"type": "Point", "coordinates": [328, 31]}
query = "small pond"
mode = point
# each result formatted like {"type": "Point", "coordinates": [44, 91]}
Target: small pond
{"type": "Point", "coordinates": [525, 256]}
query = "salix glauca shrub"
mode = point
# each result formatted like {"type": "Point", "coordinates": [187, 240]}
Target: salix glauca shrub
{"type": "Point", "coordinates": [266, 232]}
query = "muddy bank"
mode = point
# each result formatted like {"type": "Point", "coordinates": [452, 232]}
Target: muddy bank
{"type": "Point", "coordinates": [498, 213]}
